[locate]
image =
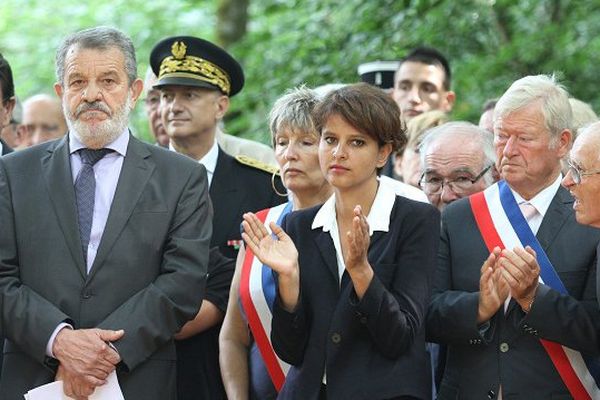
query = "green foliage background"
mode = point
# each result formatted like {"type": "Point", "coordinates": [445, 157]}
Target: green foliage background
{"type": "Point", "coordinates": [289, 42]}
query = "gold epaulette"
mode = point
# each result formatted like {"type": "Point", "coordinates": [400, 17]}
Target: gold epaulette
{"type": "Point", "coordinates": [254, 163]}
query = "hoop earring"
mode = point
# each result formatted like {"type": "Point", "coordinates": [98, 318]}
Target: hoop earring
{"type": "Point", "coordinates": [274, 186]}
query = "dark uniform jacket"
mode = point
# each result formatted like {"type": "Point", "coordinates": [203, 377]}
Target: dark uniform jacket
{"type": "Point", "coordinates": [238, 185]}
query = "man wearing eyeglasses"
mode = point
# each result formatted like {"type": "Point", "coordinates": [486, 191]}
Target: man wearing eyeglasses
{"type": "Point", "coordinates": [43, 120]}
{"type": "Point", "coordinates": [513, 302]}
{"type": "Point", "coordinates": [583, 176]}
{"type": "Point", "coordinates": [457, 160]}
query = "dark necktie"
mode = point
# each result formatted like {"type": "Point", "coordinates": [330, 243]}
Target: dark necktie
{"type": "Point", "coordinates": [85, 190]}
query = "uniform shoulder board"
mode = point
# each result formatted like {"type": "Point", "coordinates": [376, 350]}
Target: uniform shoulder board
{"type": "Point", "coordinates": [254, 163]}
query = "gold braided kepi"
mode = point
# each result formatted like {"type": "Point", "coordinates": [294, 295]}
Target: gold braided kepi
{"type": "Point", "coordinates": [191, 61]}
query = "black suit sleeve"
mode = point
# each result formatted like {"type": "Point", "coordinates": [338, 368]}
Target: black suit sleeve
{"type": "Point", "coordinates": [452, 313]}
{"type": "Point", "coordinates": [220, 275]}
{"type": "Point", "coordinates": [290, 330]}
{"type": "Point", "coordinates": [575, 323]}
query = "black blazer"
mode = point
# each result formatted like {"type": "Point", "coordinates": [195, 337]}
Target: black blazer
{"type": "Point", "coordinates": [510, 353]}
{"type": "Point", "coordinates": [373, 348]}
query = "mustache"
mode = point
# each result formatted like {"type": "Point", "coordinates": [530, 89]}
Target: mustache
{"type": "Point", "coordinates": [93, 106]}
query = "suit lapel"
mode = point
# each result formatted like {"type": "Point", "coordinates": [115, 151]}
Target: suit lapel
{"type": "Point", "coordinates": [225, 200]}
{"type": "Point", "coordinates": [56, 167]}
{"type": "Point", "coordinates": [327, 250]}
{"type": "Point", "coordinates": [555, 218]}
{"type": "Point", "coordinates": [135, 172]}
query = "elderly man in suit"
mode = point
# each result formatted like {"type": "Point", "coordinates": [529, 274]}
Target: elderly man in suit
{"type": "Point", "coordinates": [582, 178]}
{"type": "Point", "coordinates": [512, 300]}
{"type": "Point", "coordinates": [103, 279]}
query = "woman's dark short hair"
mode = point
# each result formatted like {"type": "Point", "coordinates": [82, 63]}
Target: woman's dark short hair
{"type": "Point", "coordinates": [368, 109]}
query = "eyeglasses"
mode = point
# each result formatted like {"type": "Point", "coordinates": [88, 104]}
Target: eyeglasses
{"type": "Point", "coordinates": [459, 185]}
{"type": "Point", "coordinates": [577, 173]}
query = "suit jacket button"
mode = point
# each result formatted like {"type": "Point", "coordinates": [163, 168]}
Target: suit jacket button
{"type": "Point", "coordinates": [491, 394]}
{"type": "Point", "coordinates": [504, 347]}
{"type": "Point", "coordinates": [336, 338]}
{"type": "Point", "coordinates": [363, 320]}
{"type": "Point", "coordinates": [86, 295]}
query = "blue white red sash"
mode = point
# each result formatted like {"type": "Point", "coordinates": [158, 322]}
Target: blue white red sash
{"type": "Point", "coordinates": [257, 294]}
{"type": "Point", "coordinates": [502, 224]}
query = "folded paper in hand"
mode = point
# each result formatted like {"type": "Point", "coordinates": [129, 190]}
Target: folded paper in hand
{"type": "Point", "coordinates": [54, 391]}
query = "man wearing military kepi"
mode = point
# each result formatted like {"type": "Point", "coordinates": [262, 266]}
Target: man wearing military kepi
{"type": "Point", "coordinates": [196, 79]}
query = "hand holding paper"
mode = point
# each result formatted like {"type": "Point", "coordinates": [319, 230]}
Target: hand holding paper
{"type": "Point", "coordinates": [55, 391]}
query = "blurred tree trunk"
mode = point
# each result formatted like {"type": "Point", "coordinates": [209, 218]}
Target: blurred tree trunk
{"type": "Point", "coordinates": [232, 17]}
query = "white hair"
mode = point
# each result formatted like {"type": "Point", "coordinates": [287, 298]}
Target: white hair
{"type": "Point", "coordinates": [466, 130]}
{"type": "Point", "coordinates": [556, 109]}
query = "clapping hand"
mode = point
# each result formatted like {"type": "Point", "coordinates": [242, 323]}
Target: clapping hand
{"type": "Point", "coordinates": [358, 240]}
{"type": "Point", "coordinates": [521, 272]}
{"type": "Point", "coordinates": [278, 253]}
{"type": "Point", "coordinates": [493, 289]}
{"type": "Point", "coordinates": [356, 258]}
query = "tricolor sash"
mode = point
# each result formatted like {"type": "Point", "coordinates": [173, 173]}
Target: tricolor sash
{"type": "Point", "coordinates": [257, 294]}
{"type": "Point", "coordinates": [502, 224]}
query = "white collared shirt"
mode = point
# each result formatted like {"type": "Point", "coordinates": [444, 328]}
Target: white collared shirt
{"type": "Point", "coordinates": [378, 219]}
{"type": "Point", "coordinates": [541, 202]}
{"type": "Point", "coordinates": [209, 160]}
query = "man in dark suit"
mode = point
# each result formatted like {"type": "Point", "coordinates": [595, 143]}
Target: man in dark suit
{"type": "Point", "coordinates": [103, 279]}
{"type": "Point", "coordinates": [494, 309]}
{"type": "Point", "coordinates": [7, 101]}
{"type": "Point", "coordinates": [196, 79]}
{"type": "Point", "coordinates": [583, 179]}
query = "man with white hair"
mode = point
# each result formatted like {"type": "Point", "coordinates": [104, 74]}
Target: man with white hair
{"type": "Point", "coordinates": [457, 159]}
{"type": "Point", "coordinates": [102, 279]}
{"type": "Point", "coordinates": [513, 302]}
{"type": "Point", "coordinates": [583, 178]}
{"type": "Point", "coordinates": [583, 175]}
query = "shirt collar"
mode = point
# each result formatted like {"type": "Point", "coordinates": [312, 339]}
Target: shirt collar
{"type": "Point", "coordinates": [542, 200]}
{"type": "Point", "coordinates": [119, 145]}
{"type": "Point", "coordinates": [378, 218]}
{"type": "Point", "coordinates": [210, 159]}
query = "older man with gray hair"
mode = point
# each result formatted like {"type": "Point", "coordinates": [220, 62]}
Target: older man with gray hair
{"type": "Point", "coordinates": [513, 302]}
{"type": "Point", "coordinates": [457, 160]}
{"type": "Point", "coordinates": [102, 279]}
